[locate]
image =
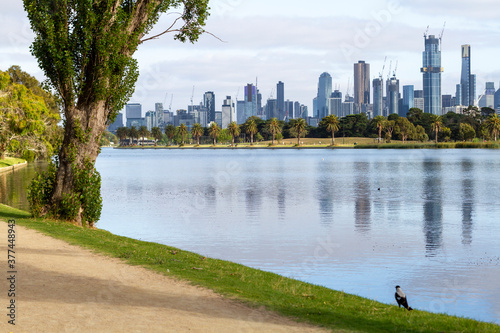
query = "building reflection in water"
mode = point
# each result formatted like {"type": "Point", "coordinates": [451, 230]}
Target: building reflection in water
{"type": "Point", "coordinates": [433, 206]}
{"type": "Point", "coordinates": [326, 188]}
{"type": "Point", "coordinates": [467, 201]}
{"type": "Point", "coordinates": [362, 191]}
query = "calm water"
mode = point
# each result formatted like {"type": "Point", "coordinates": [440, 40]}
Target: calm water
{"type": "Point", "coordinates": [319, 216]}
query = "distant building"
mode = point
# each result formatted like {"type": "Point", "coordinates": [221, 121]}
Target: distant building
{"type": "Point", "coordinates": [335, 106]}
{"type": "Point", "coordinates": [393, 95]}
{"type": "Point", "coordinates": [324, 92]}
{"type": "Point", "coordinates": [408, 99]}
{"type": "Point", "coordinates": [159, 114]}
{"type": "Point", "coordinates": [361, 83]}
{"type": "Point", "coordinates": [488, 98]}
{"type": "Point", "coordinates": [467, 80]}
{"type": "Point", "coordinates": [378, 97]}
{"type": "Point", "coordinates": [431, 71]}
{"type": "Point", "coordinates": [228, 114]}
{"type": "Point", "coordinates": [134, 115]}
{"type": "Point", "coordinates": [240, 112]}
{"type": "Point", "coordinates": [218, 118]}
{"type": "Point", "coordinates": [151, 120]}
{"type": "Point", "coordinates": [209, 104]}
{"type": "Point", "coordinates": [458, 95]}
{"type": "Point", "coordinates": [117, 123]}
{"type": "Point", "coordinates": [497, 101]}
{"type": "Point", "coordinates": [418, 103]}
{"type": "Point", "coordinates": [272, 109]}
{"type": "Point", "coordinates": [280, 97]}
{"type": "Point", "coordinates": [250, 101]}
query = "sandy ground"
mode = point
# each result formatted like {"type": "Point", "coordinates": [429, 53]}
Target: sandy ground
{"type": "Point", "coordinates": [63, 288]}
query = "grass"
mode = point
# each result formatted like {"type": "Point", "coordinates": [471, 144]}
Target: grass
{"type": "Point", "coordinates": [305, 302]}
{"type": "Point", "coordinates": [431, 145]}
{"type": "Point", "coordinates": [10, 161]}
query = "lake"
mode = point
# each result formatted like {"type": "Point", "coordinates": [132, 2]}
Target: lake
{"type": "Point", "coordinates": [361, 221]}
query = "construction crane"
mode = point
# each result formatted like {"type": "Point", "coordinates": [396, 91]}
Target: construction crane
{"type": "Point", "coordinates": [348, 86]}
{"type": "Point", "coordinates": [441, 36]}
{"type": "Point", "coordinates": [380, 75]}
{"type": "Point", "coordinates": [192, 96]}
{"type": "Point", "coordinates": [170, 106]}
{"type": "Point", "coordinates": [426, 31]}
{"type": "Point", "coordinates": [390, 67]}
{"type": "Point", "coordinates": [395, 69]}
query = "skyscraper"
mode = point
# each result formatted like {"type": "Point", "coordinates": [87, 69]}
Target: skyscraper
{"type": "Point", "coordinates": [209, 103]}
{"type": "Point", "coordinates": [497, 101]}
{"type": "Point", "coordinates": [431, 69]}
{"type": "Point", "coordinates": [378, 97]}
{"type": "Point", "coordinates": [324, 92]}
{"type": "Point", "coordinates": [361, 83]}
{"type": "Point", "coordinates": [228, 115]}
{"type": "Point", "coordinates": [488, 98]}
{"type": "Point", "coordinates": [467, 80]}
{"type": "Point", "coordinates": [393, 95]}
{"type": "Point", "coordinates": [408, 99]}
{"type": "Point", "coordinates": [280, 96]}
{"type": "Point", "coordinates": [250, 101]}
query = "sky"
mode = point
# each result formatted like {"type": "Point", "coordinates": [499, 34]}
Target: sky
{"type": "Point", "coordinates": [294, 42]}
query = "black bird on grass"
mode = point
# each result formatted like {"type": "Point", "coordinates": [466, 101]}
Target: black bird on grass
{"type": "Point", "coordinates": [401, 298]}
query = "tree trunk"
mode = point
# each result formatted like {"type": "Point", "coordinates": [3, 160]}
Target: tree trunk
{"type": "Point", "coordinates": [273, 139]}
{"type": "Point", "coordinates": [84, 128]}
{"type": "Point", "coordinates": [251, 139]}
{"type": "Point", "coordinates": [333, 138]}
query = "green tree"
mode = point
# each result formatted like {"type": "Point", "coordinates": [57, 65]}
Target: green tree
{"type": "Point", "coordinates": [143, 133]}
{"type": "Point", "coordinates": [121, 133]}
{"type": "Point", "coordinates": [404, 128]}
{"type": "Point", "coordinates": [170, 133]}
{"type": "Point", "coordinates": [379, 122]}
{"type": "Point", "coordinates": [28, 127]}
{"type": "Point", "coordinates": [437, 124]}
{"type": "Point", "coordinates": [197, 131]}
{"type": "Point", "coordinates": [157, 134]}
{"type": "Point", "coordinates": [332, 125]}
{"type": "Point", "coordinates": [420, 134]}
{"type": "Point", "coordinates": [85, 49]}
{"type": "Point", "coordinates": [389, 126]}
{"type": "Point", "coordinates": [234, 130]}
{"type": "Point", "coordinates": [467, 132]}
{"type": "Point", "coordinates": [214, 131]}
{"type": "Point", "coordinates": [182, 131]}
{"type": "Point", "coordinates": [274, 128]}
{"type": "Point", "coordinates": [251, 128]}
{"type": "Point", "coordinates": [298, 127]}
{"type": "Point", "coordinates": [133, 133]}
{"type": "Point", "coordinates": [493, 125]}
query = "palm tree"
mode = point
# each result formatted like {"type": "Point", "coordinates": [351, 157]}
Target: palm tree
{"type": "Point", "coordinates": [121, 133]}
{"type": "Point", "coordinates": [332, 125]}
{"type": "Point", "coordinates": [197, 131]}
{"type": "Point", "coordinates": [274, 127]}
{"type": "Point", "coordinates": [214, 131]}
{"type": "Point", "coordinates": [493, 125]}
{"type": "Point", "coordinates": [299, 126]}
{"type": "Point", "coordinates": [157, 134]}
{"type": "Point", "coordinates": [251, 128]}
{"type": "Point", "coordinates": [183, 131]}
{"type": "Point", "coordinates": [143, 132]}
{"type": "Point", "coordinates": [234, 130]}
{"type": "Point", "coordinates": [379, 122]}
{"type": "Point", "coordinates": [133, 134]}
{"type": "Point", "coordinates": [170, 133]}
{"type": "Point", "coordinates": [437, 124]}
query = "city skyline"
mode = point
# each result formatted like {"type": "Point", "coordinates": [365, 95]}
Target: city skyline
{"type": "Point", "coordinates": [295, 47]}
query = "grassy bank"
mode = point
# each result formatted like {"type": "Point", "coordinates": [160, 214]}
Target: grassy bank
{"type": "Point", "coordinates": [305, 302]}
{"type": "Point", "coordinates": [10, 161]}
{"type": "Point", "coordinates": [440, 145]}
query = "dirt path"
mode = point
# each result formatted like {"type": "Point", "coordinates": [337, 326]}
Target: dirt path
{"type": "Point", "coordinates": [63, 288]}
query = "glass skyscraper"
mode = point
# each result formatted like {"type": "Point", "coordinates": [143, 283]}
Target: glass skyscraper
{"type": "Point", "coordinates": [378, 97]}
{"type": "Point", "coordinates": [324, 93]}
{"type": "Point", "coordinates": [209, 103]}
{"type": "Point", "coordinates": [431, 69]}
{"type": "Point", "coordinates": [408, 99]}
{"type": "Point", "coordinates": [467, 80]}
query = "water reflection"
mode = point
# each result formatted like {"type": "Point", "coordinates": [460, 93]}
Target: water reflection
{"type": "Point", "coordinates": [433, 209]}
{"type": "Point", "coordinates": [326, 187]}
{"type": "Point", "coordinates": [467, 201]}
{"type": "Point", "coordinates": [362, 204]}
{"type": "Point", "coordinates": [13, 184]}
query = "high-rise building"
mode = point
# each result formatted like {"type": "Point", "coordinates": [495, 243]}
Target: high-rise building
{"type": "Point", "coordinates": [431, 69]}
{"type": "Point", "coordinates": [488, 98]}
{"type": "Point", "coordinates": [151, 120]}
{"type": "Point", "coordinates": [117, 123]}
{"type": "Point", "coordinates": [240, 112]}
{"type": "Point", "coordinates": [228, 115]}
{"type": "Point", "coordinates": [408, 99]}
{"type": "Point", "coordinates": [378, 97]}
{"type": "Point", "coordinates": [324, 92]}
{"type": "Point", "coordinates": [447, 101]}
{"type": "Point", "coordinates": [467, 80]}
{"type": "Point", "coordinates": [250, 101]}
{"type": "Point", "coordinates": [458, 95]}
{"type": "Point", "coordinates": [280, 96]}
{"type": "Point", "coordinates": [272, 108]}
{"type": "Point", "coordinates": [361, 83]}
{"type": "Point", "coordinates": [393, 95]}
{"type": "Point", "coordinates": [209, 103]}
{"type": "Point", "coordinates": [159, 114]}
{"type": "Point", "coordinates": [133, 112]}
{"type": "Point", "coordinates": [497, 101]}
{"type": "Point", "coordinates": [296, 110]}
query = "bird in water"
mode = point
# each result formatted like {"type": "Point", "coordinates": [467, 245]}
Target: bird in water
{"type": "Point", "coordinates": [401, 298]}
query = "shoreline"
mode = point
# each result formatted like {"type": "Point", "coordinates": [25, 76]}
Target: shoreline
{"type": "Point", "coordinates": [13, 167]}
{"type": "Point", "coordinates": [290, 298]}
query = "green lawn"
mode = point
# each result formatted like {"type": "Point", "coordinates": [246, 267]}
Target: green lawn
{"type": "Point", "coordinates": [305, 302]}
{"type": "Point", "coordinates": [10, 161]}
